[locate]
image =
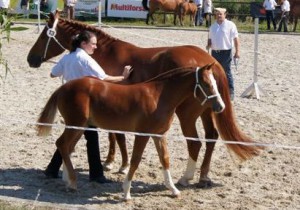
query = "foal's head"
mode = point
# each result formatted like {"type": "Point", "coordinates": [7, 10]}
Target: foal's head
{"type": "Point", "coordinates": [206, 90]}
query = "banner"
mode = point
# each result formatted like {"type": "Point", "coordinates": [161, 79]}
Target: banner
{"type": "Point", "coordinates": [89, 8]}
{"type": "Point", "coordinates": [126, 9]}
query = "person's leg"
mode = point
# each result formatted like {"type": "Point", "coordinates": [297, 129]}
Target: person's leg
{"type": "Point", "coordinates": [224, 58]}
{"type": "Point", "coordinates": [285, 24]}
{"type": "Point", "coordinates": [93, 153]}
{"type": "Point", "coordinates": [54, 165]}
{"type": "Point", "coordinates": [273, 20]}
{"type": "Point", "coordinates": [268, 19]}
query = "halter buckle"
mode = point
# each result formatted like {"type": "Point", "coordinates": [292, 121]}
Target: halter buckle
{"type": "Point", "coordinates": [51, 32]}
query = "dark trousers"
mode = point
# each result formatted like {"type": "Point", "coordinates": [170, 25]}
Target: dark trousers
{"type": "Point", "coordinates": [93, 153]}
{"type": "Point", "coordinates": [224, 58]}
{"type": "Point", "coordinates": [207, 19]}
{"type": "Point", "coordinates": [198, 18]}
{"type": "Point", "coordinates": [270, 17]}
{"type": "Point", "coordinates": [284, 21]}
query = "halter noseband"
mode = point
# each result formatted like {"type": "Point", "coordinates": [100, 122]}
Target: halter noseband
{"type": "Point", "coordinates": [51, 33]}
{"type": "Point", "coordinates": [198, 85]}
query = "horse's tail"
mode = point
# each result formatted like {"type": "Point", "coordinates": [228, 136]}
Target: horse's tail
{"type": "Point", "coordinates": [228, 128]}
{"type": "Point", "coordinates": [47, 115]}
{"type": "Point", "coordinates": [145, 5]}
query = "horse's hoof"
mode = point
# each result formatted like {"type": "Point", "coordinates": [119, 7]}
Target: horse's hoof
{"type": "Point", "coordinates": [183, 182]}
{"type": "Point", "coordinates": [176, 195]}
{"type": "Point", "coordinates": [124, 170]}
{"type": "Point", "coordinates": [205, 184]}
{"type": "Point", "coordinates": [71, 189]}
{"type": "Point", "coordinates": [108, 166]}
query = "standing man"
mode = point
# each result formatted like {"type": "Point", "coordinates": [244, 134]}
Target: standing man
{"type": "Point", "coordinates": [69, 7]}
{"type": "Point", "coordinates": [223, 36]}
{"type": "Point", "coordinates": [199, 19]}
{"type": "Point", "coordinates": [269, 6]}
{"type": "Point", "coordinates": [285, 11]}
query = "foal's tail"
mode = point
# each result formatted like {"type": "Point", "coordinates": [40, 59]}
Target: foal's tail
{"type": "Point", "coordinates": [47, 115]}
{"type": "Point", "coordinates": [229, 130]}
{"type": "Point", "coordinates": [145, 5]}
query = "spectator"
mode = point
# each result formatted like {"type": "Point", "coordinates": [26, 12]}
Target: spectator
{"type": "Point", "coordinates": [25, 8]}
{"type": "Point", "coordinates": [198, 18]}
{"type": "Point", "coordinates": [285, 11]}
{"type": "Point", "coordinates": [223, 35]}
{"type": "Point", "coordinates": [69, 7]}
{"type": "Point", "coordinates": [269, 6]}
{"type": "Point", "coordinates": [207, 8]}
{"type": "Point", "coordinates": [77, 64]}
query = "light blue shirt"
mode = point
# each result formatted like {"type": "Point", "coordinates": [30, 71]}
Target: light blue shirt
{"type": "Point", "coordinates": [76, 65]}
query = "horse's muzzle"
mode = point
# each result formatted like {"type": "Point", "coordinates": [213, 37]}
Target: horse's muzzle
{"type": "Point", "coordinates": [34, 61]}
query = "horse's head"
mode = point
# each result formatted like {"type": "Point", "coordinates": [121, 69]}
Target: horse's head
{"type": "Point", "coordinates": [206, 90]}
{"type": "Point", "coordinates": [49, 44]}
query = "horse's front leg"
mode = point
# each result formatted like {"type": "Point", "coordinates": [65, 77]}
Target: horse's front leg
{"type": "Point", "coordinates": [188, 127]}
{"type": "Point", "coordinates": [140, 143]}
{"type": "Point", "coordinates": [210, 133]}
{"type": "Point", "coordinates": [65, 144]}
{"type": "Point", "coordinates": [162, 150]}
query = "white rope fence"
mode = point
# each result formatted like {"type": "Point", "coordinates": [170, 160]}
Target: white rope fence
{"type": "Point", "coordinates": [272, 145]}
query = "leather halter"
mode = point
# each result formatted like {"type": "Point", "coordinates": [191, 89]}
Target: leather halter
{"type": "Point", "coordinates": [51, 33]}
{"type": "Point", "coordinates": [198, 85]}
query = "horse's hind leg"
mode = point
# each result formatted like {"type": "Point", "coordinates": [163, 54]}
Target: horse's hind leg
{"type": "Point", "coordinates": [162, 150]}
{"type": "Point", "coordinates": [121, 140]}
{"type": "Point", "coordinates": [140, 143]}
{"type": "Point", "coordinates": [210, 133]}
{"type": "Point", "coordinates": [108, 164]}
{"type": "Point", "coordinates": [65, 144]}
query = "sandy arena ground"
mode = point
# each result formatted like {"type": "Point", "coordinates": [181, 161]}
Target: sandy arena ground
{"type": "Point", "coordinates": [269, 181]}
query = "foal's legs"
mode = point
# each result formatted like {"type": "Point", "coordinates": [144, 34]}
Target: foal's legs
{"type": "Point", "coordinates": [140, 143]}
{"type": "Point", "coordinates": [65, 144]}
{"type": "Point", "coordinates": [121, 140]}
{"type": "Point", "coordinates": [164, 157]}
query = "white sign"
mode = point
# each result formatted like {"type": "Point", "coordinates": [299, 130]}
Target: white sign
{"type": "Point", "coordinates": [126, 9]}
{"type": "Point", "coordinates": [89, 7]}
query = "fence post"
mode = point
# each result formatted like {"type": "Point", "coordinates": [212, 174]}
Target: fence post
{"type": "Point", "coordinates": [254, 87]}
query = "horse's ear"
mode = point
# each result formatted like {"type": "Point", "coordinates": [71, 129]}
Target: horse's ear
{"type": "Point", "coordinates": [209, 66]}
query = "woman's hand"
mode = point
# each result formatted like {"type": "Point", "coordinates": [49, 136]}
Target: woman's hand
{"type": "Point", "coordinates": [127, 70]}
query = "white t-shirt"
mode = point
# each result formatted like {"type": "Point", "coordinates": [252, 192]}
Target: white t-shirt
{"type": "Point", "coordinates": [285, 7]}
{"type": "Point", "coordinates": [222, 35]}
{"type": "Point", "coordinates": [207, 5]}
{"type": "Point", "coordinates": [269, 4]}
{"type": "Point", "coordinates": [76, 65]}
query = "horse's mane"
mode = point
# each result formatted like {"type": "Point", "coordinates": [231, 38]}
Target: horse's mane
{"type": "Point", "coordinates": [172, 74]}
{"type": "Point", "coordinates": [73, 25]}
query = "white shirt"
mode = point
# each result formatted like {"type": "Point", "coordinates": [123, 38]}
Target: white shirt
{"type": "Point", "coordinates": [207, 4]}
{"type": "Point", "coordinates": [222, 35]}
{"type": "Point", "coordinates": [4, 3]}
{"type": "Point", "coordinates": [76, 65]}
{"type": "Point", "coordinates": [198, 2]}
{"type": "Point", "coordinates": [269, 4]}
{"type": "Point", "coordinates": [285, 7]}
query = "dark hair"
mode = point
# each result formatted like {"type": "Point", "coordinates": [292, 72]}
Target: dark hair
{"type": "Point", "coordinates": [84, 36]}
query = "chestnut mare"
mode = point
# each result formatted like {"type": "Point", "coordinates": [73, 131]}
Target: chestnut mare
{"type": "Point", "coordinates": [187, 8]}
{"type": "Point", "coordinates": [146, 107]}
{"type": "Point", "coordinates": [162, 5]}
{"type": "Point", "coordinates": [113, 54]}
